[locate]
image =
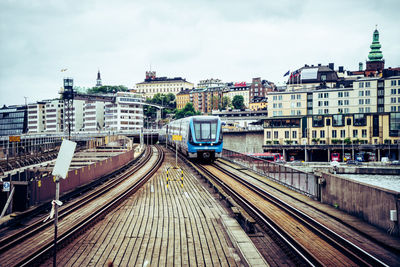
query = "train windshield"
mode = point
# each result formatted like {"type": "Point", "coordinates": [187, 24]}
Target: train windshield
{"type": "Point", "coordinates": [205, 130]}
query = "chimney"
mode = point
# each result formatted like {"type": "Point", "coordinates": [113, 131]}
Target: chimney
{"type": "Point", "coordinates": [319, 64]}
{"type": "Point", "coordinates": [331, 66]}
{"type": "Point", "coordinates": [341, 69]}
{"type": "Point", "coordinates": [360, 66]}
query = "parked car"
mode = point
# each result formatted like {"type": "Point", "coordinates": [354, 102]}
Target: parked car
{"type": "Point", "coordinates": [353, 162]}
{"type": "Point", "coordinates": [395, 162]}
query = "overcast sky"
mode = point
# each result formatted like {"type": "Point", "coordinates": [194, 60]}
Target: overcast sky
{"type": "Point", "coordinates": [226, 39]}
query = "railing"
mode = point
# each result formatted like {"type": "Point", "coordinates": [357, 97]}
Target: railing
{"type": "Point", "coordinates": [303, 182]}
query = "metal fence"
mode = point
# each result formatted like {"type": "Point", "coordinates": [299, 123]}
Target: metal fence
{"type": "Point", "coordinates": [298, 180]}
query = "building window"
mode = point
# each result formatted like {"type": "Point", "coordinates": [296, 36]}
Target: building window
{"type": "Point", "coordinates": [293, 97]}
{"type": "Point", "coordinates": [322, 133]}
{"type": "Point", "coordinates": [286, 134]}
{"type": "Point", "coordinates": [361, 101]}
{"type": "Point", "coordinates": [323, 77]}
{"type": "Point", "coordinates": [367, 93]}
{"type": "Point", "coordinates": [367, 109]}
{"type": "Point", "coordinates": [360, 120]}
{"type": "Point", "coordinates": [326, 95]}
{"type": "Point", "coordinates": [298, 96]}
{"type": "Point", "coordinates": [326, 111]}
{"type": "Point", "coordinates": [392, 100]}
{"type": "Point", "coordinates": [346, 102]}
{"type": "Point", "coordinates": [337, 120]}
{"type": "Point", "coordinates": [275, 134]}
{"type": "Point", "coordinates": [268, 135]}
{"type": "Point", "coordinates": [346, 94]}
{"type": "Point", "coordinates": [314, 134]}
{"type": "Point", "coordinates": [334, 134]}
{"type": "Point", "coordinates": [342, 133]}
{"type": "Point", "coordinates": [318, 121]}
{"type": "Point", "coordinates": [360, 85]}
{"type": "Point", "coordinates": [326, 103]}
{"type": "Point", "coordinates": [340, 94]}
{"type": "Point", "coordinates": [394, 124]}
{"type": "Point", "coordinates": [367, 84]}
{"type": "Point", "coordinates": [393, 83]}
{"type": "Point", "coordinates": [355, 133]}
{"type": "Point", "coordinates": [393, 108]}
{"type": "Point", "coordinates": [364, 133]}
{"type": "Point", "coordinates": [367, 101]}
{"type": "Point", "coordinates": [393, 91]}
{"type": "Point", "coordinates": [298, 104]}
{"type": "Point", "coordinates": [360, 93]}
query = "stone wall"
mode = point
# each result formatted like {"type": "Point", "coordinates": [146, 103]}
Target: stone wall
{"type": "Point", "coordinates": [369, 203]}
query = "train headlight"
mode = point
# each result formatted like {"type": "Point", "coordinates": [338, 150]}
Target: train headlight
{"type": "Point", "coordinates": [199, 144]}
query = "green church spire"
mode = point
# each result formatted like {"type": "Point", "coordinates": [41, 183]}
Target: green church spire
{"type": "Point", "coordinates": [375, 54]}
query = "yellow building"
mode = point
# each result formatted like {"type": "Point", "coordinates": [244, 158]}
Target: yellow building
{"type": "Point", "coordinates": [182, 98]}
{"type": "Point", "coordinates": [260, 105]}
{"type": "Point", "coordinates": [383, 128]}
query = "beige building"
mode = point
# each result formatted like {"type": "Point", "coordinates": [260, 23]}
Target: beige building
{"type": "Point", "coordinates": [241, 89]}
{"type": "Point", "coordinates": [153, 85]}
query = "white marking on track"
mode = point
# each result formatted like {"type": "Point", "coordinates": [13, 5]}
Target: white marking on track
{"type": "Point", "coordinates": [186, 194]}
{"type": "Point", "coordinates": [152, 189]}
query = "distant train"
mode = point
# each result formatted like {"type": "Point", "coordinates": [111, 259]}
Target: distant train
{"type": "Point", "coordinates": [201, 136]}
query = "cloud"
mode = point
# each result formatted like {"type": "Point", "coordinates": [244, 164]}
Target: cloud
{"type": "Point", "coordinates": [231, 40]}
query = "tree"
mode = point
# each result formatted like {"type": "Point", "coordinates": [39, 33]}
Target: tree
{"type": "Point", "coordinates": [238, 102]}
{"type": "Point", "coordinates": [107, 89]}
{"type": "Point", "coordinates": [187, 111]}
{"type": "Point", "coordinates": [226, 102]}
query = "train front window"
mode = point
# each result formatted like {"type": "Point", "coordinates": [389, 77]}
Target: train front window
{"type": "Point", "coordinates": [205, 131]}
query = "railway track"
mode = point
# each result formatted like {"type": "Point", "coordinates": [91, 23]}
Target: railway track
{"type": "Point", "coordinates": [26, 160]}
{"type": "Point", "coordinates": [20, 240]}
{"type": "Point", "coordinates": [324, 247]}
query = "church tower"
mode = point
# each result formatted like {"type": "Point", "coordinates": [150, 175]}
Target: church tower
{"type": "Point", "coordinates": [98, 81]}
{"type": "Point", "coordinates": [375, 58]}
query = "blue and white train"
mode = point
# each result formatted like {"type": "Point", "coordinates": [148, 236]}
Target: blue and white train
{"type": "Point", "coordinates": [201, 136]}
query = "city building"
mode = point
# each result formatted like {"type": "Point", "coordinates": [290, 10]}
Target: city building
{"type": "Point", "coordinates": [242, 89]}
{"type": "Point", "coordinates": [93, 117]}
{"type": "Point", "coordinates": [54, 112]}
{"type": "Point", "coordinates": [13, 120]}
{"type": "Point", "coordinates": [182, 98]}
{"type": "Point", "coordinates": [36, 117]}
{"type": "Point", "coordinates": [153, 85]}
{"type": "Point", "coordinates": [321, 106]}
{"type": "Point", "coordinates": [126, 114]}
{"type": "Point", "coordinates": [258, 104]}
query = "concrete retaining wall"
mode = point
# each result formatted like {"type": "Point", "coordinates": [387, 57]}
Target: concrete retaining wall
{"type": "Point", "coordinates": [44, 189]}
{"type": "Point", "coordinates": [369, 203]}
{"type": "Point", "coordinates": [244, 142]}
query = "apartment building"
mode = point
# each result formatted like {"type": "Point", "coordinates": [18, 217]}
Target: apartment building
{"type": "Point", "coordinates": [242, 89]}
{"type": "Point", "coordinates": [93, 116]}
{"type": "Point", "coordinates": [182, 98]}
{"type": "Point", "coordinates": [126, 114]}
{"type": "Point", "coordinates": [54, 112]}
{"type": "Point", "coordinates": [36, 117]}
{"type": "Point", "coordinates": [153, 85]}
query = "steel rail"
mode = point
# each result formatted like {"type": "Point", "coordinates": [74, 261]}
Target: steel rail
{"type": "Point", "coordinates": [47, 249]}
{"type": "Point", "coordinates": [349, 249]}
{"type": "Point", "coordinates": [30, 259]}
{"type": "Point", "coordinates": [38, 225]}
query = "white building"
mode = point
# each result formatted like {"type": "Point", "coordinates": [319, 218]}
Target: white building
{"type": "Point", "coordinates": [36, 117]}
{"type": "Point", "coordinates": [77, 115]}
{"type": "Point", "coordinates": [93, 118]}
{"type": "Point", "coordinates": [54, 113]}
{"type": "Point", "coordinates": [242, 89]}
{"type": "Point", "coordinates": [126, 114]}
{"type": "Point", "coordinates": [153, 85]}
